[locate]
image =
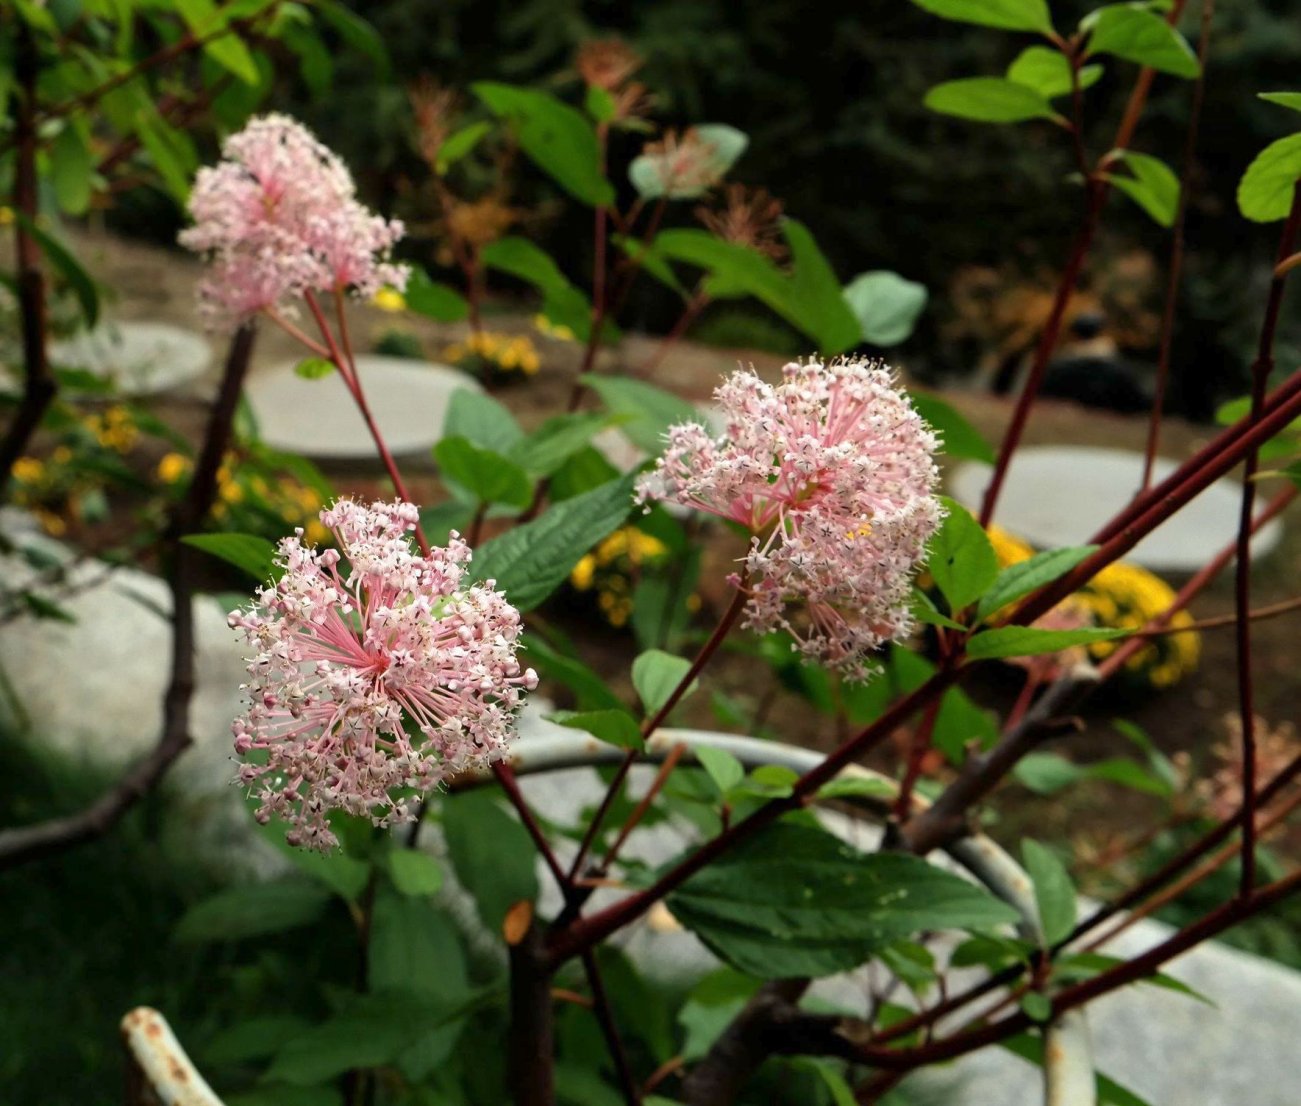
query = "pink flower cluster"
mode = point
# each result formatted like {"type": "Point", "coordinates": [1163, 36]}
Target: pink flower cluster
{"type": "Point", "coordinates": [372, 679]}
{"type": "Point", "coordinates": [832, 473]}
{"type": "Point", "coordinates": [278, 217]}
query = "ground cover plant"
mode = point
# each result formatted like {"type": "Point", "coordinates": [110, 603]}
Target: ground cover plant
{"type": "Point", "coordinates": [395, 639]}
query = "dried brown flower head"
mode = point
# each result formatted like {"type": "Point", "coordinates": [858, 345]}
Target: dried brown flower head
{"type": "Point", "coordinates": [607, 63]}
{"type": "Point", "coordinates": [481, 221]}
{"type": "Point", "coordinates": [435, 109]}
{"type": "Point", "coordinates": [749, 217]}
{"type": "Point", "coordinates": [1276, 748]}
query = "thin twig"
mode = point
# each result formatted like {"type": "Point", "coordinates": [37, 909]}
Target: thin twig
{"type": "Point", "coordinates": [605, 1018]}
{"type": "Point", "coordinates": [1272, 610]}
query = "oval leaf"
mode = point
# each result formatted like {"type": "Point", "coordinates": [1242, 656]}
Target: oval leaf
{"type": "Point", "coordinates": [1142, 36]}
{"type": "Point", "coordinates": [886, 306]}
{"type": "Point", "coordinates": [1027, 641]}
{"type": "Point", "coordinates": [1265, 191]}
{"type": "Point", "coordinates": [989, 100]}
{"type": "Point", "coordinates": [1007, 15]}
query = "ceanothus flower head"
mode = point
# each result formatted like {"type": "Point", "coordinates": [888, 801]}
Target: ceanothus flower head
{"type": "Point", "coordinates": [387, 673]}
{"type": "Point", "coordinates": [278, 216]}
{"type": "Point", "coordinates": [832, 473]}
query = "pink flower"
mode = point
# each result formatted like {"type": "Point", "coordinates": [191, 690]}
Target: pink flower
{"type": "Point", "coordinates": [390, 674]}
{"type": "Point", "coordinates": [831, 471]}
{"type": "Point", "coordinates": [279, 216]}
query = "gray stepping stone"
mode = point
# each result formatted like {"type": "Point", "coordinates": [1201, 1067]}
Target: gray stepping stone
{"type": "Point", "coordinates": [139, 358]}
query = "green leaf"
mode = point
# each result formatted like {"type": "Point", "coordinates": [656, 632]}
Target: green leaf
{"type": "Point", "coordinates": [592, 692]}
{"type": "Point", "coordinates": [1007, 15]}
{"type": "Point", "coordinates": [71, 169]}
{"type": "Point", "coordinates": [1048, 72]}
{"type": "Point", "coordinates": [482, 420]}
{"type": "Point", "coordinates": [1046, 773]}
{"type": "Point", "coordinates": [434, 300]}
{"type": "Point", "coordinates": [227, 50]}
{"type": "Point", "coordinates": [345, 875]}
{"type": "Point", "coordinates": [169, 150]}
{"type": "Point", "coordinates": [1054, 893]}
{"type": "Point", "coordinates": [356, 33]}
{"type": "Point", "coordinates": [855, 787]}
{"type": "Point", "coordinates": [599, 104]}
{"type": "Point", "coordinates": [251, 553]}
{"type": "Point", "coordinates": [925, 610]}
{"type": "Point", "coordinates": [1085, 965]}
{"type": "Point", "coordinates": [614, 727]}
{"type": "Point", "coordinates": [254, 1039]}
{"type": "Point", "coordinates": [710, 1008]}
{"type": "Point", "coordinates": [314, 368]}
{"type": "Point", "coordinates": [768, 781]}
{"type": "Point", "coordinates": [487, 476]}
{"type": "Point", "coordinates": [962, 560]}
{"type": "Point", "coordinates": [656, 675]}
{"type": "Point", "coordinates": [491, 854]}
{"type": "Point", "coordinates": [556, 440]}
{"type": "Point", "coordinates": [1020, 579]}
{"type": "Point", "coordinates": [1265, 191]}
{"type": "Point", "coordinates": [1038, 1007]}
{"type": "Point", "coordinates": [530, 561]}
{"type": "Point", "coordinates": [68, 267]}
{"type": "Point", "coordinates": [414, 947]}
{"type": "Point", "coordinates": [1283, 99]}
{"type": "Point", "coordinates": [559, 139]}
{"type": "Point", "coordinates": [562, 303]}
{"type": "Point", "coordinates": [413, 872]}
{"type": "Point", "coordinates": [722, 767]}
{"type": "Point", "coordinates": [644, 257]}
{"type": "Point", "coordinates": [958, 437]}
{"type": "Point", "coordinates": [281, 1094]}
{"type": "Point", "coordinates": [1141, 36]}
{"type": "Point", "coordinates": [459, 143]}
{"type": "Point", "coordinates": [1027, 641]}
{"type": "Point", "coordinates": [1030, 1047]}
{"type": "Point", "coordinates": [886, 305]}
{"type": "Point", "coordinates": [646, 412]}
{"type": "Point", "coordinates": [252, 911]}
{"type": "Point", "coordinates": [796, 901]}
{"type": "Point", "coordinates": [1154, 186]}
{"type": "Point", "coordinates": [989, 100]}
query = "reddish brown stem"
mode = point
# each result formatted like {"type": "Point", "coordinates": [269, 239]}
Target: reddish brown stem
{"type": "Point", "coordinates": [1177, 248]}
{"type": "Point", "coordinates": [694, 306]}
{"type": "Point", "coordinates": [643, 805]}
{"type": "Point", "coordinates": [506, 778]}
{"type": "Point", "coordinates": [605, 1018]}
{"type": "Point", "coordinates": [1260, 372]}
{"type": "Point", "coordinates": [1270, 610]}
{"type": "Point", "coordinates": [921, 744]}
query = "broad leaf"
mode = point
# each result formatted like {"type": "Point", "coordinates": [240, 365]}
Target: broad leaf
{"type": "Point", "coordinates": [562, 303]}
{"type": "Point", "coordinates": [434, 300]}
{"type": "Point", "coordinates": [614, 727]}
{"type": "Point", "coordinates": [314, 368]}
{"type": "Point", "coordinates": [589, 689]}
{"type": "Point", "coordinates": [646, 412]}
{"type": "Point", "coordinates": [1007, 15]}
{"type": "Point", "coordinates": [556, 440]}
{"type": "Point", "coordinates": [958, 438]}
{"type": "Point", "coordinates": [1154, 186]}
{"type": "Point", "coordinates": [796, 901]}
{"type": "Point", "coordinates": [414, 947]}
{"type": "Point", "coordinates": [1020, 579]}
{"type": "Point", "coordinates": [559, 139]}
{"type": "Point", "coordinates": [1028, 641]}
{"type": "Point", "coordinates": [459, 143]}
{"type": "Point", "coordinates": [487, 476]}
{"type": "Point", "coordinates": [1266, 189]}
{"type": "Point", "coordinates": [962, 560]}
{"type": "Point", "coordinates": [413, 872]}
{"type": "Point", "coordinates": [491, 854]}
{"type": "Point", "coordinates": [1142, 36]}
{"type": "Point", "coordinates": [1048, 72]}
{"type": "Point", "coordinates": [886, 305]}
{"type": "Point", "coordinates": [253, 911]}
{"type": "Point", "coordinates": [251, 553]}
{"type": "Point", "coordinates": [530, 561]}
{"type": "Point", "coordinates": [67, 266]}
{"type": "Point", "coordinates": [656, 674]}
{"type": "Point", "coordinates": [1054, 893]}
{"type": "Point", "coordinates": [1283, 99]}
{"type": "Point", "coordinates": [989, 100]}
{"type": "Point", "coordinates": [483, 420]}
{"type": "Point", "coordinates": [721, 766]}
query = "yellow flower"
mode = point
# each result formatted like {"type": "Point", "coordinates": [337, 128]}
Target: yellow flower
{"type": "Point", "coordinates": [560, 332]}
{"type": "Point", "coordinates": [6, 216]}
{"type": "Point", "coordinates": [316, 533]}
{"type": "Point", "coordinates": [583, 572]}
{"type": "Point", "coordinates": [61, 455]}
{"type": "Point", "coordinates": [28, 470]}
{"type": "Point", "coordinates": [52, 524]}
{"type": "Point", "coordinates": [1008, 549]}
{"type": "Point", "coordinates": [389, 299]}
{"type": "Point", "coordinates": [173, 467]}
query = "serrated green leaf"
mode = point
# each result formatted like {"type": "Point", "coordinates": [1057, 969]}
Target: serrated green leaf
{"type": "Point", "coordinates": [1267, 187]}
{"type": "Point", "coordinates": [251, 553]}
{"type": "Point", "coordinates": [958, 438]}
{"type": "Point", "coordinates": [1141, 36]}
{"type": "Point", "coordinates": [530, 561]}
{"type": "Point", "coordinates": [962, 560]}
{"type": "Point", "coordinates": [989, 100]}
{"type": "Point", "coordinates": [886, 305]}
{"type": "Point", "coordinates": [253, 911]}
{"type": "Point", "coordinates": [1054, 893]}
{"type": "Point", "coordinates": [1020, 579]}
{"type": "Point", "coordinates": [614, 727]}
{"type": "Point", "coordinates": [413, 872]}
{"type": "Point", "coordinates": [1007, 15]}
{"type": "Point", "coordinates": [656, 675]}
{"type": "Point", "coordinates": [795, 901]}
{"type": "Point", "coordinates": [721, 767]}
{"type": "Point", "coordinates": [1028, 641]}
{"type": "Point", "coordinates": [559, 139]}
{"type": "Point", "coordinates": [1048, 72]}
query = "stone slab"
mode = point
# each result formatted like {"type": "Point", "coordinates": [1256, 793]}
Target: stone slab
{"type": "Point", "coordinates": [1062, 495]}
{"type": "Point", "coordinates": [139, 358]}
{"type": "Point", "coordinates": [318, 418]}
